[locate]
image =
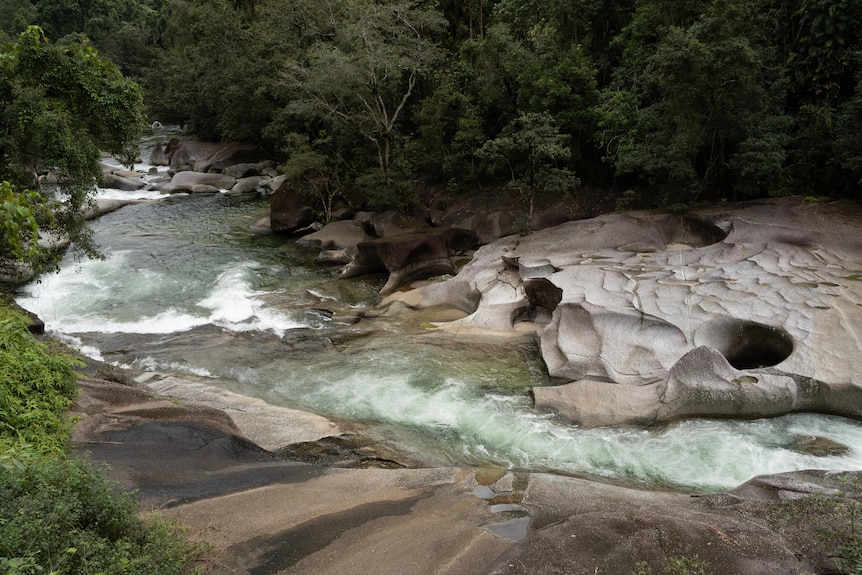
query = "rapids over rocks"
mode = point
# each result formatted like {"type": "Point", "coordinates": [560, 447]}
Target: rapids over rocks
{"type": "Point", "coordinates": [187, 286]}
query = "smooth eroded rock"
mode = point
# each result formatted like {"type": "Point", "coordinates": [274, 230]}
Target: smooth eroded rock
{"type": "Point", "coordinates": [745, 310]}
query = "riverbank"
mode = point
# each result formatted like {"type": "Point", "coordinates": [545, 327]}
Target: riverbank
{"type": "Point", "coordinates": [276, 496]}
{"type": "Point", "coordinates": [358, 509]}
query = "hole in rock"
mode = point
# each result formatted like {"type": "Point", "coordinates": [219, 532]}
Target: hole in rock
{"type": "Point", "coordinates": [541, 292]}
{"type": "Point", "coordinates": [543, 297]}
{"type": "Point", "coordinates": [691, 231]}
{"type": "Point", "coordinates": [746, 344]}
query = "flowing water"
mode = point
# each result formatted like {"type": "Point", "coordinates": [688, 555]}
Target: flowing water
{"type": "Point", "coordinates": [186, 286]}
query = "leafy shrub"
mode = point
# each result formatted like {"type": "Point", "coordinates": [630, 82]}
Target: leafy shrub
{"type": "Point", "coordinates": [37, 385]}
{"type": "Point", "coordinates": [58, 514]}
{"type": "Point", "coordinates": [62, 516]}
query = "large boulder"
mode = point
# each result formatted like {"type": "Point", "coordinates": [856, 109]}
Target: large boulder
{"type": "Point", "coordinates": [249, 169]}
{"type": "Point", "coordinates": [248, 185]}
{"type": "Point", "coordinates": [186, 181]}
{"type": "Point", "coordinates": [186, 152]}
{"type": "Point", "coordinates": [190, 153]}
{"type": "Point", "coordinates": [288, 212]}
{"type": "Point", "coordinates": [119, 179]}
{"type": "Point", "coordinates": [394, 223]}
{"type": "Point", "coordinates": [336, 235]}
{"type": "Point", "coordinates": [744, 310]}
{"type": "Point", "coordinates": [337, 241]}
{"type": "Point", "coordinates": [487, 227]}
{"type": "Point", "coordinates": [124, 183]}
{"type": "Point", "coordinates": [102, 206]}
{"type": "Point", "coordinates": [409, 257]}
{"type": "Point", "coordinates": [158, 156]}
{"type": "Point", "coordinates": [231, 154]}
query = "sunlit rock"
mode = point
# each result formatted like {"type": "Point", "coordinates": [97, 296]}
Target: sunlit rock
{"type": "Point", "coordinates": [744, 310]}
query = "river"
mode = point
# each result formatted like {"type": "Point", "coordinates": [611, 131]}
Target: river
{"type": "Point", "coordinates": [187, 286]}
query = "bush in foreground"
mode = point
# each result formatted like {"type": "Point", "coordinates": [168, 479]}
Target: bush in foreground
{"type": "Point", "coordinates": [62, 516]}
{"type": "Point", "coordinates": [37, 386]}
{"type": "Point", "coordinates": [58, 514]}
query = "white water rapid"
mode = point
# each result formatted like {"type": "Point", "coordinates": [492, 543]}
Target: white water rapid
{"type": "Point", "coordinates": [181, 272]}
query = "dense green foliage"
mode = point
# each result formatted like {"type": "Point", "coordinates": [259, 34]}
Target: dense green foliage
{"type": "Point", "coordinates": [60, 107]}
{"type": "Point", "coordinates": [63, 516]}
{"type": "Point", "coordinates": [58, 514]}
{"type": "Point", "coordinates": [37, 385]}
{"type": "Point", "coordinates": [19, 226]}
{"type": "Point", "coordinates": [680, 100]}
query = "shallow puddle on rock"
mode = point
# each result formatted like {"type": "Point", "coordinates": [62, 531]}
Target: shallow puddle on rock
{"type": "Point", "coordinates": [484, 492]}
{"type": "Point", "coordinates": [513, 529]}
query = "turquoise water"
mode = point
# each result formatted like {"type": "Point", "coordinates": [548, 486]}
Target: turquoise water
{"type": "Point", "coordinates": [180, 271]}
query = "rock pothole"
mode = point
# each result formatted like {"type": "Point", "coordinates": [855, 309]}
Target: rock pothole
{"type": "Point", "coordinates": [746, 344]}
{"type": "Point", "coordinates": [689, 231]}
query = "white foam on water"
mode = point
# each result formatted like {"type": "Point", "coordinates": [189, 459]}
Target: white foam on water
{"type": "Point", "coordinates": [235, 306]}
{"type": "Point", "coordinates": [85, 350]}
{"type": "Point", "coordinates": [142, 168]}
{"type": "Point", "coordinates": [149, 363]}
{"type": "Point", "coordinates": [115, 194]}
{"type": "Point", "coordinates": [475, 408]}
{"type": "Point", "coordinates": [321, 296]}
{"type": "Point", "coordinates": [145, 301]}
{"type": "Point", "coordinates": [70, 300]}
{"type": "Point", "coordinates": [503, 429]}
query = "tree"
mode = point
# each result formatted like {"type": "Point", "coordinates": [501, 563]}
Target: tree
{"type": "Point", "coordinates": [849, 140]}
{"type": "Point", "coordinates": [126, 32]}
{"type": "Point", "coordinates": [506, 74]}
{"type": "Point", "coordinates": [14, 16]}
{"type": "Point", "coordinates": [698, 112]}
{"type": "Point", "coordinates": [822, 46]}
{"type": "Point", "coordinates": [218, 71]}
{"type": "Point", "coordinates": [449, 132]}
{"type": "Point", "coordinates": [491, 68]}
{"type": "Point", "coordinates": [206, 42]}
{"type": "Point", "coordinates": [311, 172]}
{"type": "Point", "coordinates": [531, 147]}
{"type": "Point", "coordinates": [60, 106]}
{"type": "Point", "coordinates": [367, 73]}
{"type": "Point", "coordinates": [19, 229]}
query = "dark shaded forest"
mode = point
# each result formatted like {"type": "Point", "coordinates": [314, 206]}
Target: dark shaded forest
{"type": "Point", "coordinates": [659, 102]}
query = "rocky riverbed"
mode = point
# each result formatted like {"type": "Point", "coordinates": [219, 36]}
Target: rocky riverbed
{"type": "Point", "coordinates": [747, 310]}
{"type": "Point", "coordinates": [276, 490]}
{"type": "Point", "coordinates": [319, 500]}
{"type": "Point", "coordinates": [641, 318]}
